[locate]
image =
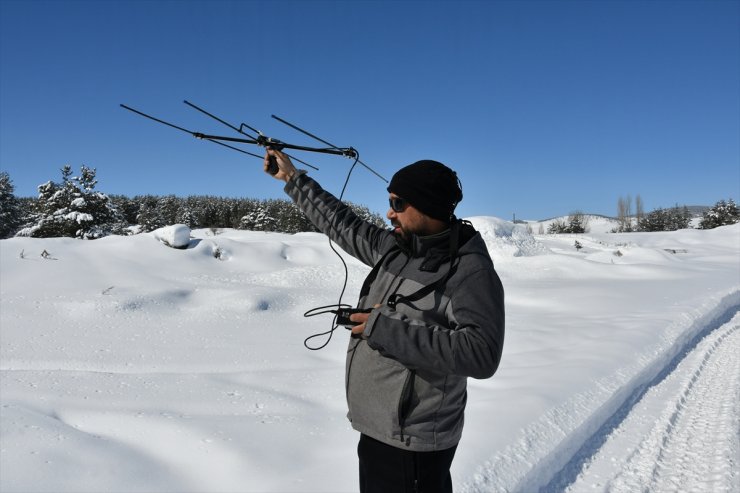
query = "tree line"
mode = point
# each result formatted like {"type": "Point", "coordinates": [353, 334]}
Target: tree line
{"type": "Point", "coordinates": [723, 213]}
{"type": "Point", "coordinates": [671, 219]}
{"type": "Point", "coordinates": [74, 208]}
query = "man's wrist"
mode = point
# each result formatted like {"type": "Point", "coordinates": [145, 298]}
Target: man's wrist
{"type": "Point", "coordinates": [292, 181]}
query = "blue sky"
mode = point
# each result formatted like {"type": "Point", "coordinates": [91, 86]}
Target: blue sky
{"type": "Point", "coordinates": [543, 107]}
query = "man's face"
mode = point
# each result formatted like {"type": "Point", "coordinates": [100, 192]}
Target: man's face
{"type": "Point", "coordinates": [407, 221]}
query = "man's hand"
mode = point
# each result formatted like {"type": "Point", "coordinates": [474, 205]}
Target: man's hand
{"type": "Point", "coordinates": [362, 318]}
{"type": "Point", "coordinates": [285, 167]}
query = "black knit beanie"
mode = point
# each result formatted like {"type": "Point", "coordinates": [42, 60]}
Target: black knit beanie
{"type": "Point", "coordinates": [429, 186]}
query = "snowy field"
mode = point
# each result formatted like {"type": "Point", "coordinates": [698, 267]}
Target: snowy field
{"type": "Point", "coordinates": [130, 366]}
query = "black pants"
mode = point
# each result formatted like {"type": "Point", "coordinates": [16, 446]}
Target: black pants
{"type": "Point", "coordinates": [386, 469]}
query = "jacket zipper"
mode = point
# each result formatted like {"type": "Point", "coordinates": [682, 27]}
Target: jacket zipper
{"type": "Point", "coordinates": [404, 403]}
{"type": "Point", "coordinates": [349, 369]}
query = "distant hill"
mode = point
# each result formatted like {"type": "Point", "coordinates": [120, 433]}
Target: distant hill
{"type": "Point", "coordinates": [599, 223]}
{"type": "Point", "coordinates": [596, 223]}
{"type": "Point", "coordinates": [695, 210]}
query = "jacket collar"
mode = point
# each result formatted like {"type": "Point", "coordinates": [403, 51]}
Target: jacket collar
{"type": "Point", "coordinates": [435, 249]}
{"type": "Point", "coordinates": [421, 246]}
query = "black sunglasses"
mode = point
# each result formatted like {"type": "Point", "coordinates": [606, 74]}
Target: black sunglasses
{"type": "Point", "coordinates": [397, 204]}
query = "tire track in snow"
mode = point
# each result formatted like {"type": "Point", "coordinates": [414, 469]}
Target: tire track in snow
{"type": "Point", "coordinates": [554, 451]}
{"type": "Point", "coordinates": [683, 434]}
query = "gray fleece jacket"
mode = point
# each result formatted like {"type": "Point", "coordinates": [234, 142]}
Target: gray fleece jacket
{"type": "Point", "coordinates": [440, 321]}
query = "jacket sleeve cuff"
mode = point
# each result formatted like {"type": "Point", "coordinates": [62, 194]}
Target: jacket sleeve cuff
{"type": "Point", "coordinates": [295, 181]}
{"type": "Point", "coordinates": [370, 325]}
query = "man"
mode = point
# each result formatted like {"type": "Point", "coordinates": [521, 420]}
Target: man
{"type": "Point", "coordinates": [436, 317]}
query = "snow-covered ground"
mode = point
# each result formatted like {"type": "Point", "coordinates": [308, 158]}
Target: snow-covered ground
{"type": "Point", "coordinates": [682, 434]}
{"type": "Point", "coordinates": [127, 365]}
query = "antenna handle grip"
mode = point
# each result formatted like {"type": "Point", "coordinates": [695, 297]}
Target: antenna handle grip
{"type": "Point", "coordinates": [272, 165]}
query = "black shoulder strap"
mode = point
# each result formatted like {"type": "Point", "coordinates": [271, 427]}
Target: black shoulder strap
{"type": "Point", "coordinates": [394, 299]}
{"type": "Point", "coordinates": [374, 272]}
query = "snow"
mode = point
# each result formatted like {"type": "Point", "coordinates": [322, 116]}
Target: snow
{"type": "Point", "coordinates": [176, 236]}
{"type": "Point", "coordinates": [130, 366]}
{"type": "Point", "coordinates": [683, 419]}
{"type": "Point", "coordinates": [79, 217]}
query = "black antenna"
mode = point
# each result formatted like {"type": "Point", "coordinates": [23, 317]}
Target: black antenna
{"type": "Point", "coordinates": [242, 132]}
{"type": "Point", "coordinates": [304, 132]}
{"type": "Point", "coordinates": [194, 134]}
{"type": "Point", "coordinates": [352, 153]}
{"type": "Point", "coordinates": [261, 139]}
{"type": "Point", "coordinates": [156, 119]}
{"type": "Point", "coordinates": [222, 121]}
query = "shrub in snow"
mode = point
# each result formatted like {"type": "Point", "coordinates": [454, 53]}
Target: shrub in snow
{"type": "Point", "coordinates": [73, 209]}
{"type": "Point", "coordinates": [577, 223]}
{"type": "Point", "coordinates": [722, 214]}
{"type": "Point", "coordinates": [175, 236]}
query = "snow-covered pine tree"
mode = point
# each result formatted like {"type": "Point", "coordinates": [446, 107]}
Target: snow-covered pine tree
{"type": "Point", "coordinates": [661, 219]}
{"type": "Point", "coordinates": [149, 217]}
{"type": "Point", "coordinates": [293, 220]}
{"type": "Point", "coordinates": [186, 217]}
{"type": "Point", "coordinates": [259, 219]}
{"type": "Point", "coordinates": [10, 212]}
{"type": "Point", "coordinates": [73, 209]}
{"type": "Point", "coordinates": [127, 208]}
{"type": "Point", "coordinates": [723, 213]}
{"type": "Point", "coordinates": [167, 209]}
{"type": "Point", "coordinates": [558, 226]}
{"type": "Point", "coordinates": [364, 213]}
{"type": "Point", "coordinates": [653, 221]}
{"type": "Point", "coordinates": [105, 218]}
{"type": "Point", "coordinates": [681, 218]}
{"type": "Point", "coordinates": [577, 222]}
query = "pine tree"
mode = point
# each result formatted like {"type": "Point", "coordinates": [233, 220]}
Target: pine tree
{"type": "Point", "coordinates": [73, 209]}
{"type": "Point", "coordinates": [364, 213]}
{"type": "Point", "coordinates": [653, 221]}
{"type": "Point", "coordinates": [10, 213]}
{"type": "Point", "coordinates": [186, 217]}
{"type": "Point", "coordinates": [677, 218]}
{"type": "Point", "coordinates": [149, 217]}
{"type": "Point", "coordinates": [558, 226]}
{"type": "Point", "coordinates": [577, 223]}
{"type": "Point", "coordinates": [167, 209]}
{"type": "Point", "coordinates": [723, 213]}
{"type": "Point", "coordinates": [259, 219]}
{"type": "Point", "coordinates": [105, 218]}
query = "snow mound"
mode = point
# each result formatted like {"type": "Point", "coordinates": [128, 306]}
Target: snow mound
{"type": "Point", "coordinates": [175, 236]}
{"type": "Point", "coordinates": [506, 239]}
